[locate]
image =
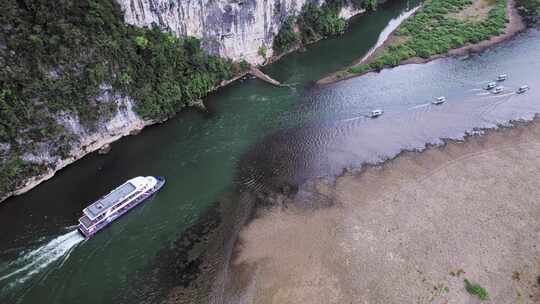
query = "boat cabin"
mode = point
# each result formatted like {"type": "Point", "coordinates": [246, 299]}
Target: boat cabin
{"type": "Point", "coordinates": [376, 113]}
{"type": "Point", "coordinates": [523, 89]}
{"type": "Point", "coordinates": [491, 85]}
{"type": "Point", "coordinates": [502, 77]}
{"type": "Point", "coordinates": [497, 90]}
{"type": "Point", "coordinates": [439, 100]}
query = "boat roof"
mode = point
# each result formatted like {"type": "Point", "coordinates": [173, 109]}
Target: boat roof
{"type": "Point", "coordinates": [109, 200]}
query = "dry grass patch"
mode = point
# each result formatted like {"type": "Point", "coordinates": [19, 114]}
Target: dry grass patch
{"type": "Point", "coordinates": [478, 11]}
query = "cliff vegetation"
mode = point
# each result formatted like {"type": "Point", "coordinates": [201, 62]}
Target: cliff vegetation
{"type": "Point", "coordinates": [58, 57]}
{"type": "Point", "coordinates": [314, 23]}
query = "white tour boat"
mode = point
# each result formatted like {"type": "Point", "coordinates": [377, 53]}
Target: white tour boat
{"type": "Point", "coordinates": [118, 202]}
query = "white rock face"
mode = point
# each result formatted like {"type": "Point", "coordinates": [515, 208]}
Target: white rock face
{"type": "Point", "coordinates": [235, 29]}
{"type": "Point", "coordinates": [124, 122]}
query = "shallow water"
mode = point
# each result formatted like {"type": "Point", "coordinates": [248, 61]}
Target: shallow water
{"type": "Point", "coordinates": [253, 136]}
{"type": "Point", "coordinates": [337, 133]}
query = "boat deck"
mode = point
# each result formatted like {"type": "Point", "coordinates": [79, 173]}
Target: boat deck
{"type": "Point", "coordinates": [109, 200]}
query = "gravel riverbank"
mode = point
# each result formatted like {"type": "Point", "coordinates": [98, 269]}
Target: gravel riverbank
{"type": "Point", "coordinates": [409, 231]}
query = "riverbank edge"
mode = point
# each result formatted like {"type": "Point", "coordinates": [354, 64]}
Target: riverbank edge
{"type": "Point", "coordinates": [94, 145]}
{"type": "Point", "coordinates": [514, 26]}
{"type": "Point", "coordinates": [133, 129]}
{"type": "Point", "coordinates": [509, 133]}
{"type": "Point", "coordinates": [477, 134]}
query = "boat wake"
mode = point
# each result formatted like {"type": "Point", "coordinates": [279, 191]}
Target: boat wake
{"type": "Point", "coordinates": [419, 106]}
{"type": "Point", "coordinates": [35, 262]}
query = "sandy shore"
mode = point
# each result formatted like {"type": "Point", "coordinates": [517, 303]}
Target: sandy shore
{"type": "Point", "coordinates": [515, 25]}
{"type": "Point", "coordinates": [408, 231]}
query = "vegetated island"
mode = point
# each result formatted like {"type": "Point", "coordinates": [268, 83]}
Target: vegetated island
{"type": "Point", "coordinates": [442, 28]}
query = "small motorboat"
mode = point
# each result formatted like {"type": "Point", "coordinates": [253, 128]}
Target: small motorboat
{"type": "Point", "coordinates": [523, 89]}
{"type": "Point", "coordinates": [491, 85]}
{"type": "Point", "coordinates": [497, 90]}
{"type": "Point", "coordinates": [502, 77]}
{"type": "Point", "coordinates": [439, 100]}
{"type": "Point", "coordinates": [376, 113]}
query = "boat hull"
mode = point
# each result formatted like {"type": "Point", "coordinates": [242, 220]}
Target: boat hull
{"type": "Point", "coordinates": [106, 222]}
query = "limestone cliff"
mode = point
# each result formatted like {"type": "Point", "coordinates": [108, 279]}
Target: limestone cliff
{"type": "Point", "coordinates": [235, 29]}
{"type": "Point", "coordinates": [124, 122]}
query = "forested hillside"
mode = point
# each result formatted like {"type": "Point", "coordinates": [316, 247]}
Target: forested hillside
{"type": "Point", "coordinates": [59, 56]}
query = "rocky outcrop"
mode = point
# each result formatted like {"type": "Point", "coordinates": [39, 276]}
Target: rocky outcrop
{"type": "Point", "coordinates": [124, 122]}
{"type": "Point", "coordinates": [236, 29]}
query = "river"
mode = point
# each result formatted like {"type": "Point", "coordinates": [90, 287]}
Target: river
{"type": "Point", "coordinates": [253, 137]}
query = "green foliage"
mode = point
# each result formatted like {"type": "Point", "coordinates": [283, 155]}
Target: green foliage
{"type": "Point", "coordinates": [317, 22]}
{"type": "Point", "coordinates": [432, 31]}
{"type": "Point", "coordinates": [57, 58]}
{"type": "Point", "coordinates": [244, 65]}
{"type": "Point", "coordinates": [358, 69]}
{"type": "Point", "coordinates": [314, 23]}
{"type": "Point", "coordinates": [12, 168]}
{"type": "Point", "coordinates": [141, 41]}
{"type": "Point", "coordinates": [530, 9]}
{"type": "Point", "coordinates": [476, 290]}
{"type": "Point", "coordinates": [370, 5]}
{"type": "Point", "coordinates": [286, 38]}
{"type": "Point", "coordinates": [338, 4]}
{"type": "Point", "coordinates": [262, 51]}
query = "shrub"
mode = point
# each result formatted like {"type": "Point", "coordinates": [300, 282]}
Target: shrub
{"type": "Point", "coordinates": [476, 290]}
{"type": "Point", "coordinates": [141, 41]}
{"type": "Point", "coordinates": [314, 22]}
{"type": "Point", "coordinates": [530, 8]}
{"type": "Point", "coordinates": [262, 51]}
{"type": "Point", "coordinates": [286, 38]}
{"type": "Point", "coordinates": [244, 65]}
{"type": "Point", "coordinates": [370, 5]}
